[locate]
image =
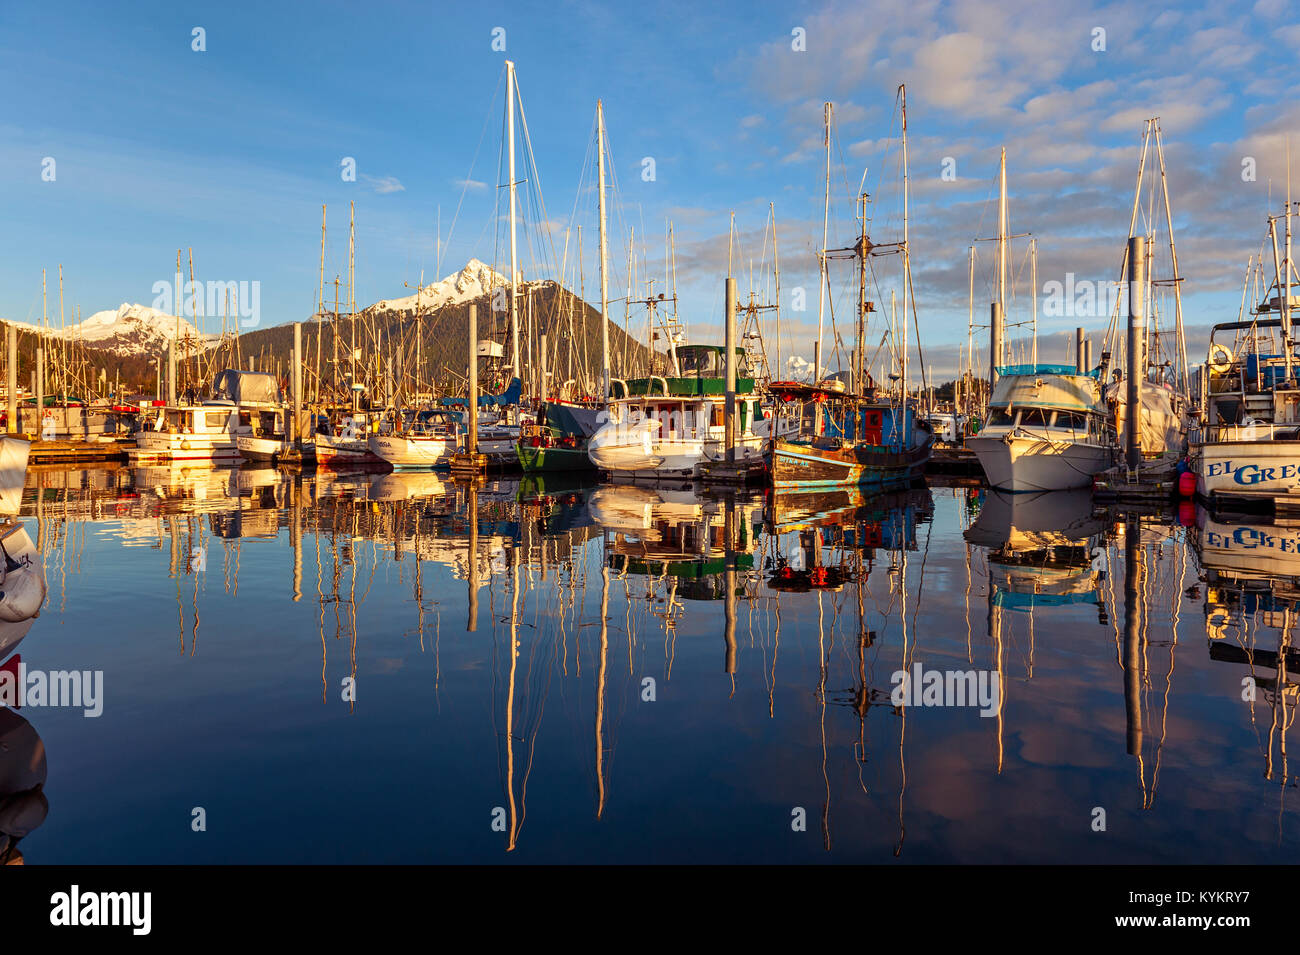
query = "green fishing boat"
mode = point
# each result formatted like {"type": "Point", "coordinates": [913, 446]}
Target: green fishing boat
{"type": "Point", "coordinates": [558, 441]}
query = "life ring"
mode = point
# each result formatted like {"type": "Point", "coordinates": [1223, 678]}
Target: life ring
{"type": "Point", "coordinates": [1220, 358]}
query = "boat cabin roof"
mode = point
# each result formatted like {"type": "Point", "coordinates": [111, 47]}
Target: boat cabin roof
{"type": "Point", "coordinates": [1071, 392]}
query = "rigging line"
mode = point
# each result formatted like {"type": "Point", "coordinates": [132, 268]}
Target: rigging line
{"type": "Point", "coordinates": [473, 162]}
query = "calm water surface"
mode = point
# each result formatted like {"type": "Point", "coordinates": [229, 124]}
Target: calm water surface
{"type": "Point", "coordinates": [353, 668]}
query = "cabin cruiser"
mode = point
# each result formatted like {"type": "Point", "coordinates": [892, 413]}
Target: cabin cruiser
{"type": "Point", "coordinates": [1048, 430]}
{"type": "Point", "coordinates": [663, 427]}
{"type": "Point", "coordinates": [202, 432]}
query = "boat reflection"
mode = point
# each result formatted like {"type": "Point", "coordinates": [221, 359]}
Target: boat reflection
{"type": "Point", "coordinates": [23, 591]}
{"type": "Point", "coordinates": [827, 539]}
{"type": "Point", "coordinates": [1044, 549]}
{"type": "Point", "coordinates": [1251, 573]}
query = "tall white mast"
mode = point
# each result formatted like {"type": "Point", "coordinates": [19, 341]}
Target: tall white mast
{"type": "Point", "coordinates": [516, 371]}
{"type": "Point", "coordinates": [907, 255]}
{"type": "Point", "coordinates": [1285, 290]}
{"type": "Point", "coordinates": [1033, 299]}
{"type": "Point", "coordinates": [1002, 234]}
{"type": "Point", "coordinates": [827, 109]}
{"type": "Point", "coordinates": [604, 278]}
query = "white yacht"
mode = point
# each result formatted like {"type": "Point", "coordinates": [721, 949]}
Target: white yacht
{"type": "Point", "coordinates": [1047, 430]}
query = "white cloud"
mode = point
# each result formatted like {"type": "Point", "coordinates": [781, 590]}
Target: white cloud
{"type": "Point", "coordinates": [384, 184]}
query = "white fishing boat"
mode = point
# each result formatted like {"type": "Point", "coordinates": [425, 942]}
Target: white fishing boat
{"type": "Point", "coordinates": [664, 427]}
{"type": "Point", "coordinates": [1048, 427]}
{"type": "Point", "coordinates": [428, 441]}
{"type": "Point", "coordinates": [347, 442]}
{"type": "Point", "coordinates": [261, 436]}
{"type": "Point", "coordinates": [497, 439]}
{"type": "Point", "coordinates": [1247, 445]}
{"type": "Point", "coordinates": [1047, 430]}
{"type": "Point", "coordinates": [201, 432]}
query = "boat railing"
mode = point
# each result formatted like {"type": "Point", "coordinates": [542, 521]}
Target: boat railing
{"type": "Point", "coordinates": [1253, 431]}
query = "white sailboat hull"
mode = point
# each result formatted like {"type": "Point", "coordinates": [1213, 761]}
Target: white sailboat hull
{"type": "Point", "coordinates": [1032, 463]}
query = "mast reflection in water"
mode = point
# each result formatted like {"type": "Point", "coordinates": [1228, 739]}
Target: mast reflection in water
{"type": "Point", "coordinates": [403, 667]}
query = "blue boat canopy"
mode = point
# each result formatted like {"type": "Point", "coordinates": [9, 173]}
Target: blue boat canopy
{"type": "Point", "coordinates": [508, 397]}
{"type": "Point", "coordinates": [1006, 370]}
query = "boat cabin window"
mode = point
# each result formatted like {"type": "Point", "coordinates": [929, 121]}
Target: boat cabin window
{"type": "Point", "coordinates": [216, 419]}
{"type": "Point", "coordinates": [1000, 417]}
{"type": "Point", "coordinates": [1035, 417]}
{"type": "Point", "coordinates": [1228, 410]}
{"type": "Point", "coordinates": [1070, 419]}
{"type": "Point", "coordinates": [701, 362]}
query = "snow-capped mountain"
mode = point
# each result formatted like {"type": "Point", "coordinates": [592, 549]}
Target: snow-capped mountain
{"type": "Point", "coordinates": [475, 279]}
{"type": "Point", "coordinates": [127, 330]}
{"type": "Point", "coordinates": [138, 330]}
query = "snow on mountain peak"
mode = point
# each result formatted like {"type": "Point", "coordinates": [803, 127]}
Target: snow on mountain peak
{"type": "Point", "coordinates": [475, 279]}
{"type": "Point", "coordinates": [129, 328]}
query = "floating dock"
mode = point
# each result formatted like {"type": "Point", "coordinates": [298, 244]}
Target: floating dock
{"type": "Point", "coordinates": [734, 474]}
{"type": "Point", "coordinates": [75, 452]}
{"type": "Point", "coordinates": [1156, 481]}
{"type": "Point", "coordinates": [953, 460]}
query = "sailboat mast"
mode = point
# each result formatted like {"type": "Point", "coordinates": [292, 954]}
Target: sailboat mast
{"type": "Point", "coordinates": [1285, 289]}
{"type": "Point", "coordinates": [970, 328]}
{"type": "Point", "coordinates": [907, 255]}
{"type": "Point", "coordinates": [352, 299]}
{"type": "Point", "coordinates": [1033, 300]}
{"type": "Point", "coordinates": [320, 304]}
{"type": "Point", "coordinates": [514, 259]}
{"type": "Point", "coordinates": [604, 277]}
{"type": "Point", "coordinates": [827, 110]}
{"type": "Point", "coordinates": [1002, 233]}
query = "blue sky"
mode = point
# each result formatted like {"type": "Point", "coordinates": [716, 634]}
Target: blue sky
{"type": "Point", "coordinates": [231, 151]}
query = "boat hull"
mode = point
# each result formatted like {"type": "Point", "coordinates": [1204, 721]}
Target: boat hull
{"type": "Point", "coordinates": [797, 465]}
{"type": "Point", "coordinates": [1247, 468]}
{"type": "Point", "coordinates": [176, 447]}
{"type": "Point", "coordinates": [403, 451]}
{"type": "Point", "coordinates": [1027, 463]}
{"type": "Point", "coordinates": [336, 450]}
{"type": "Point", "coordinates": [537, 459]}
{"type": "Point", "coordinates": [259, 449]}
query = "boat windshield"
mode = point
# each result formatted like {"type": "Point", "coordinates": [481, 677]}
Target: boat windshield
{"type": "Point", "coordinates": [699, 361]}
{"type": "Point", "coordinates": [1038, 418]}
